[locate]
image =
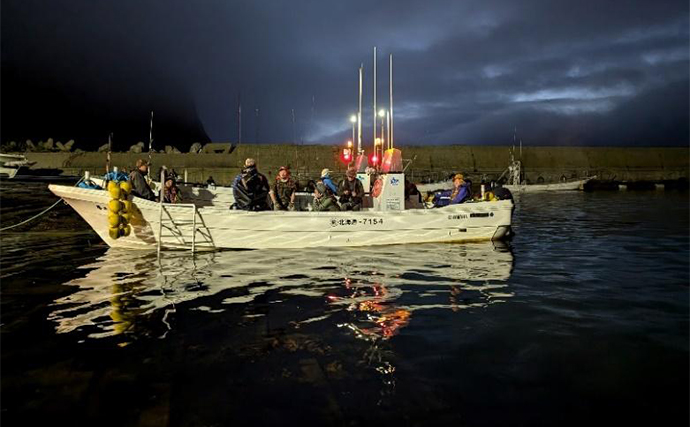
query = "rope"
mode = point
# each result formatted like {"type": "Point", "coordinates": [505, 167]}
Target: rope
{"type": "Point", "coordinates": [37, 215]}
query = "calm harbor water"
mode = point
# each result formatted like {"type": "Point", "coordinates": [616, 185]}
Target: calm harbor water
{"type": "Point", "coordinates": [582, 318]}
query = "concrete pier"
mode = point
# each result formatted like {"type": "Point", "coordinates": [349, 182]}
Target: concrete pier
{"type": "Point", "coordinates": [540, 164]}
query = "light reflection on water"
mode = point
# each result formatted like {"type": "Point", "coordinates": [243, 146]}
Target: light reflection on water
{"type": "Point", "coordinates": [122, 286]}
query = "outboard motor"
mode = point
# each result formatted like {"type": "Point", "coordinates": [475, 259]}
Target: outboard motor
{"type": "Point", "coordinates": [502, 193]}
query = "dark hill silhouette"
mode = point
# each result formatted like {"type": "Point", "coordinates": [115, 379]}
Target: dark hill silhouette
{"type": "Point", "coordinates": [39, 109]}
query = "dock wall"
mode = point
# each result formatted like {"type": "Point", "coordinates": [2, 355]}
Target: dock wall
{"type": "Point", "coordinates": [540, 164]}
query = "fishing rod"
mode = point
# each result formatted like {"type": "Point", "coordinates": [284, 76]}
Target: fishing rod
{"type": "Point", "coordinates": [150, 138]}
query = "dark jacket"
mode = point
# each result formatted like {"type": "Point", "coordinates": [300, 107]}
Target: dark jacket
{"type": "Point", "coordinates": [140, 187]}
{"type": "Point", "coordinates": [250, 189]}
{"type": "Point", "coordinates": [283, 191]}
{"type": "Point", "coordinates": [172, 194]}
{"type": "Point", "coordinates": [326, 203]}
{"type": "Point", "coordinates": [354, 186]}
{"type": "Point", "coordinates": [462, 193]}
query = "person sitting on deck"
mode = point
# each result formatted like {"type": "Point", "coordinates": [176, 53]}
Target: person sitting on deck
{"type": "Point", "coordinates": [462, 190]}
{"type": "Point", "coordinates": [283, 191]}
{"type": "Point", "coordinates": [328, 182]}
{"type": "Point", "coordinates": [171, 193]}
{"type": "Point", "coordinates": [251, 188]}
{"type": "Point", "coordinates": [140, 187]}
{"type": "Point", "coordinates": [351, 191]}
{"type": "Point", "coordinates": [323, 201]}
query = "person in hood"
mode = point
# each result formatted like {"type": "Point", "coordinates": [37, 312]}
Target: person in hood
{"type": "Point", "coordinates": [283, 191]}
{"type": "Point", "coordinates": [140, 187]}
{"type": "Point", "coordinates": [351, 191]}
{"type": "Point", "coordinates": [323, 201]}
{"type": "Point", "coordinates": [251, 188]}
{"type": "Point", "coordinates": [328, 182]}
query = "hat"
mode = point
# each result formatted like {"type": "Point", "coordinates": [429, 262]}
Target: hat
{"type": "Point", "coordinates": [351, 173]}
{"type": "Point", "coordinates": [321, 188]}
{"type": "Point", "coordinates": [142, 162]}
{"type": "Point", "coordinates": [283, 168]}
{"type": "Point", "coordinates": [325, 172]}
{"type": "Point", "coordinates": [458, 176]}
{"type": "Point", "coordinates": [249, 162]}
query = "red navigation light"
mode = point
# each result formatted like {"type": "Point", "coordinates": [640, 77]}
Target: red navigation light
{"type": "Point", "coordinates": [347, 155]}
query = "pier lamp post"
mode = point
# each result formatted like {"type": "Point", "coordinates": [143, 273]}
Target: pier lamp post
{"type": "Point", "coordinates": [353, 120]}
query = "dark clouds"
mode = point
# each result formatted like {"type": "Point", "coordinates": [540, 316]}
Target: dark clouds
{"type": "Point", "coordinates": [563, 72]}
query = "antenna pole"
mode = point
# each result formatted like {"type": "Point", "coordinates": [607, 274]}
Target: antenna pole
{"type": "Point", "coordinates": [294, 134]}
{"type": "Point", "coordinates": [256, 136]}
{"type": "Point", "coordinates": [239, 119]}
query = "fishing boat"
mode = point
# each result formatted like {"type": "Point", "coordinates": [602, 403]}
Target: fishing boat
{"type": "Point", "coordinates": [514, 183]}
{"type": "Point", "coordinates": [11, 164]}
{"type": "Point", "coordinates": [156, 225]}
{"type": "Point", "coordinates": [206, 223]}
{"type": "Point", "coordinates": [17, 167]}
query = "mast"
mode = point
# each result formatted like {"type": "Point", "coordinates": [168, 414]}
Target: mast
{"type": "Point", "coordinates": [375, 111]}
{"type": "Point", "coordinates": [390, 101]}
{"type": "Point", "coordinates": [359, 113]}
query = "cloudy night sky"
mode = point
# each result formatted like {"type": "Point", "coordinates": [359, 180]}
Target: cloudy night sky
{"type": "Point", "coordinates": [466, 72]}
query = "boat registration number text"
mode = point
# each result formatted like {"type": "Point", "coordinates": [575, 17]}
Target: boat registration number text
{"type": "Point", "coordinates": [350, 222]}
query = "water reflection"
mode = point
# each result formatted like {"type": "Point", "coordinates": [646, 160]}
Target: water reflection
{"type": "Point", "coordinates": [380, 289]}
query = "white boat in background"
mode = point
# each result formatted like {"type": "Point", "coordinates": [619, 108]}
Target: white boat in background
{"type": "Point", "coordinates": [514, 183]}
{"type": "Point", "coordinates": [11, 164]}
{"type": "Point", "coordinates": [17, 167]}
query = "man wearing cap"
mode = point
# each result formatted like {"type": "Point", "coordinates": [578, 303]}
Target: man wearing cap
{"type": "Point", "coordinates": [251, 188]}
{"type": "Point", "coordinates": [461, 189]}
{"type": "Point", "coordinates": [328, 182]}
{"type": "Point", "coordinates": [351, 191]}
{"type": "Point", "coordinates": [283, 191]}
{"type": "Point", "coordinates": [140, 187]}
{"type": "Point", "coordinates": [323, 201]}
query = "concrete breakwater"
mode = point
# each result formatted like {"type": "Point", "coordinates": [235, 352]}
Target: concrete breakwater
{"type": "Point", "coordinates": [540, 164]}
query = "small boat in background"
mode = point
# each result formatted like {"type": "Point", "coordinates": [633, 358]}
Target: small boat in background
{"type": "Point", "coordinates": [17, 167]}
{"type": "Point", "coordinates": [11, 164]}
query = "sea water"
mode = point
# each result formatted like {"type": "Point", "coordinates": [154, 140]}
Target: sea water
{"type": "Point", "coordinates": [582, 318]}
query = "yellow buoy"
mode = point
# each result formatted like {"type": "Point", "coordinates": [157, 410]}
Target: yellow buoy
{"type": "Point", "coordinates": [126, 187]}
{"type": "Point", "coordinates": [114, 192]}
{"type": "Point", "coordinates": [127, 206]}
{"type": "Point", "coordinates": [115, 206]}
{"type": "Point", "coordinates": [126, 230]}
{"type": "Point", "coordinates": [114, 232]}
{"type": "Point", "coordinates": [126, 216]}
{"type": "Point", "coordinates": [113, 219]}
{"type": "Point", "coordinates": [112, 185]}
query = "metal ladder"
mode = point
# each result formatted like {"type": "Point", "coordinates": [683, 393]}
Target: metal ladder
{"type": "Point", "coordinates": [181, 232]}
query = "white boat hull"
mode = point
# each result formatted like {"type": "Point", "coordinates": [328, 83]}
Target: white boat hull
{"type": "Point", "coordinates": [219, 228]}
{"type": "Point", "coordinates": [561, 186]}
{"type": "Point", "coordinates": [528, 188]}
